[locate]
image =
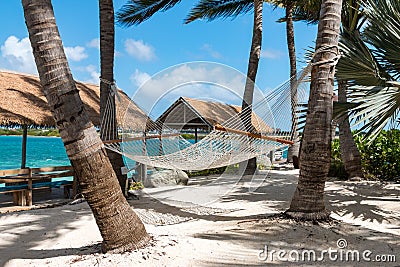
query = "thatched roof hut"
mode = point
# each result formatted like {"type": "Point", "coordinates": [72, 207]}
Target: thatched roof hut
{"type": "Point", "coordinates": [22, 102]}
{"type": "Point", "coordinates": [189, 113]}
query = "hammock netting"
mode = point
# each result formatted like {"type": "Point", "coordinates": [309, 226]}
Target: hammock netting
{"type": "Point", "coordinates": [255, 131]}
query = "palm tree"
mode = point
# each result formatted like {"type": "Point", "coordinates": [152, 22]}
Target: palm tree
{"type": "Point", "coordinates": [107, 36]}
{"type": "Point", "coordinates": [308, 199]}
{"type": "Point", "coordinates": [119, 226]}
{"type": "Point", "coordinates": [370, 63]}
{"type": "Point", "coordinates": [352, 20]}
{"type": "Point", "coordinates": [293, 150]}
{"type": "Point", "coordinates": [289, 6]}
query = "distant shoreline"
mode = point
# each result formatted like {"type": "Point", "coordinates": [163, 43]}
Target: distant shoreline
{"type": "Point", "coordinates": [31, 132]}
{"type": "Point", "coordinates": [30, 135]}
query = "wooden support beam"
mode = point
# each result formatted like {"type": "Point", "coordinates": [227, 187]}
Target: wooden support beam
{"type": "Point", "coordinates": [24, 139]}
{"type": "Point", "coordinates": [140, 138]}
{"type": "Point", "coordinates": [253, 135]}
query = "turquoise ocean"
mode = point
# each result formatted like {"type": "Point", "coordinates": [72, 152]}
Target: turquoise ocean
{"type": "Point", "coordinates": [41, 152]}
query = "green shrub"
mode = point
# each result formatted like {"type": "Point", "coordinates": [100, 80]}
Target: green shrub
{"type": "Point", "coordinates": [31, 132]}
{"type": "Point", "coordinates": [337, 167]}
{"type": "Point", "coordinates": [206, 172]}
{"type": "Point", "coordinates": [187, 136]}
{"type": "Point", "coordinates": [380, 159]}
{"type": "Point", "coordinates": [136, 186]}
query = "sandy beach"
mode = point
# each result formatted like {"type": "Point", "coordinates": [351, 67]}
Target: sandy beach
{"type": "Point", "coordinates": [224, 224]}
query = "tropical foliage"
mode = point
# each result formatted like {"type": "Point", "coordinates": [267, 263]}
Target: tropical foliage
{"type": "Point", "coordinates": [379, 159]}
{"type": "Point", "coordinates": [135, 12]}
{"type": "Point", "coordinates": [371, 63]}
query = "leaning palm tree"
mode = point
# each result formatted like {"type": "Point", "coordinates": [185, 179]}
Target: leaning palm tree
{"type": "Point", "coordinates": [119, 226]}
{"type": "Point", "coordinates": [371, 63]}
{"type": "Point", "coordinates": [107, 84]}
{"type": "Point", "coordinates": [308, 199]}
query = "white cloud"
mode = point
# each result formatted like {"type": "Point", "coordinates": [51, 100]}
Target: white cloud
{"type": "Point", "coordinates": [93, 73]}
{"type": "Point", "coordinates": [209, 49]}
{"type": "Point", "coordinates": [138, 78]}
{"type": "Point", "coordinates": [271, 54]}
{"type": "Point", "coordinates": [201, 80]}
{"type": "Point", "coordinates": [76, 53]}
{"type": "Point", "coordinates": [94, 43]}
{"type": "Point", "coordinates": [17, 55]}
{"type": "Point", "coordinates": [139, 50]}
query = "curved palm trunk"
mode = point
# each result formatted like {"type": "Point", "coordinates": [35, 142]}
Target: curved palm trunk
{"type": "Point", "coordinates": [119, 226]}
{"type": "Point", "coordinates": [249, 167]}
{"type": "Point", "coordinates": [293, 149]}
{"type": "Point", "coordinates": [107, 36]}
{"type": "Point", "coordinates": [308, 199]}
{"type": "Point", "coordinates": [349, 152]}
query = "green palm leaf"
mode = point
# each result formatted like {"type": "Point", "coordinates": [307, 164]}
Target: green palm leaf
{"type": "Point", "coordinates": [383, 32]}
{"type": "Point", "coordinates": [357, 64]}
{"type": "Point", "coordinates": [378, 106]}
{"type": "Point", "coordinates": [136, 11]}
{"type": "Point", "coordinates": [213, 9]}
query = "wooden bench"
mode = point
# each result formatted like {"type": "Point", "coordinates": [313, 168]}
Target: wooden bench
{"type": "Point", "coordinates": [30, 179]}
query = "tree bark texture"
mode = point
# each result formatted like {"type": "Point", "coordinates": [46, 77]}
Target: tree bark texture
{"type": "Point", "coordinates": [308, 199]}
{"type": "Point", "coordinates": [250, 166]}
{"type": "Point", "coordinates": [348, 149]}
{"type": "Point", "coordinates": [295, 148]}
{"type": "Point", "coordinates": [107, 40]}
{"type": "Point", "coordinates": [119, 226]}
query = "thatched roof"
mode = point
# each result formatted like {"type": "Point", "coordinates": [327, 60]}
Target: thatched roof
{"type": "Point", "coordinates": [22, 102]}
{"type": "Point", "coordinates": [188, 113]}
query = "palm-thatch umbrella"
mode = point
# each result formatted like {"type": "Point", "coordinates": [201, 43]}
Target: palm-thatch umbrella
{"type": "Point", "coordinates": [22, 103]}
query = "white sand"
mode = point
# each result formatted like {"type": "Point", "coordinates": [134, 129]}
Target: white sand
{"type": "Point", "coordinates": [229, 231]}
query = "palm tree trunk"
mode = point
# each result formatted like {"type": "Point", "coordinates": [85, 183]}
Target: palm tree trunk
{"type": "Point", "coordinates": [308, 199]}
{"type": "Point", "coordinates": [293, 149]}
{"type": "Point", "coordinates": [349, 152]}
{"type": "Point", "coordinates": [249, 167]}
{"type": "Point", "coordinates": [119, 226]}
{"type": "Point", "coordinates": [107, 36]}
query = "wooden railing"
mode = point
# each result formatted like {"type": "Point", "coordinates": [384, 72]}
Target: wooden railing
{"type": "Point", "coordinates": [29, 179]}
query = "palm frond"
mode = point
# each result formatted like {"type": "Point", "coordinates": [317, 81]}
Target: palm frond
{"type": "Point", "coordinates": [383, 32]}
{"type": "Point", "coordinates": [213, 9]}
{"type": "Point", "coordinates": [357, 64]}
{"type": "Point", "coordinates": [307, 10]}
{"type": "Point", "coordinates": [377, 107]}
{"type": "Point", "coordinates": [135, 12]}
{"type": "Point", "coordinates": [341, 109]}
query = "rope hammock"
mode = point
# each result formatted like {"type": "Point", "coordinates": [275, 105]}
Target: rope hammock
{"type": "Point", "coordinates": [255, 131]}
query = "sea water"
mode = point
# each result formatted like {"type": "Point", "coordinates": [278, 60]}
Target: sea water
{"type": "Point", "coordinates": [40, 152]}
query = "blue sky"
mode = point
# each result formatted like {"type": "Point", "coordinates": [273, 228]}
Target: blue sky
{"type": "Point", "coordinates": [159, 43]}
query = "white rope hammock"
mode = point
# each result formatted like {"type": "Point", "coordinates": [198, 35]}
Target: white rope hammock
{"type": "Point", "coordinates": [228, 143]}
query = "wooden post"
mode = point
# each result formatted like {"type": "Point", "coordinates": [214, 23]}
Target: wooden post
{"type": "Point", "coordinates": [272, 156]}
{"type": "Point", "coordinates": [195, 135]}
{"type": "Point", "coordinates": [24, 138]}
{"type": "Point", "coordinates": [160, 151]}
{"type": "Point", "coordinates": [75, 186]}
{"type": "Point", "coordinates": [28, 195]}
{"type": "Point", "coordinates": [142, 170]}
